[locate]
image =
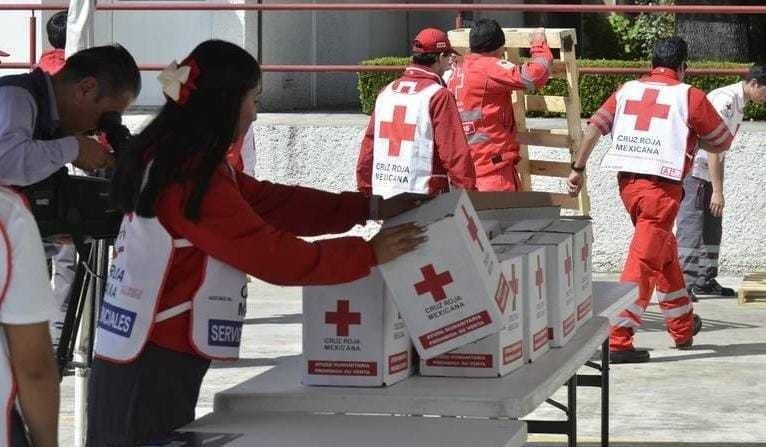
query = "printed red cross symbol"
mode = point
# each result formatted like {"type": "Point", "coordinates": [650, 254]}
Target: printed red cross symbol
{"type": "Point", "coordinates": [539, 279]}
{"type": "Point", "coordinates": [396, 131]}
{"type": "Point", "coordinates": [584, 254]}
{"type": "Point", "coordinates": [568, 267]}
{"type": "Point", "coordinates": [514, 286]}
{"type": "Point", "coordinates": [473, 230]}
{"type": "Point", "coordinates": [433, 283]}
{"type": "Point", "coordinates": [343, 318]}
{"type": "Point", "coordinates": [646, 109]}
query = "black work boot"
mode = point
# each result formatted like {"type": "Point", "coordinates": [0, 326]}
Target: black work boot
{"type": "Point", "coordinates": [692, 294]}
{"type": "Point", "coordinates": [712, 288]}
{"type": "Point", "coordinates": [629, 356]}
{"type": "Point", "coordinates": [696, 328]}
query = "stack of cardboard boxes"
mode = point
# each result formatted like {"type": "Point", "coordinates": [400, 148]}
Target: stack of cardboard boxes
{"type": "Point", "coordinates": [489, 292]}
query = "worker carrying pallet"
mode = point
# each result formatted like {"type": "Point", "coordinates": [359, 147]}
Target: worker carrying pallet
{"type": "Point", "coordinates": [656, 124]}
{"type": "Point", "coordinates": [699, 228]}
{"type": "Point", "coordinates": [482, 84]}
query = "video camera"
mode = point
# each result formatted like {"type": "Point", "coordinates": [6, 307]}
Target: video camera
{"type": "Point", "coordinates": [65, 204]}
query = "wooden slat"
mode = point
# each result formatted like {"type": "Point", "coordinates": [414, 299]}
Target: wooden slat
{"type": "Point", "coordinates": [519, 37]}
{"type": "Point", "coordinates": [753, 288]}
{"type": "Point", "coordinates": [545, 137]}
{"type": "Point", "coordinates": [516, 37]}
{"type": "Point", "coordinates": [549, 168]}
{"type": "Point", "coordinates": [565, 201]}
{"type": "Point", "coordinates": [537, 103]}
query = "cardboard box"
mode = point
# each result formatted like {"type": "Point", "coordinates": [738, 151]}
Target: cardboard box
{"type": "Point", "coordinates": [498, 354]}
{"type": "Point", "coordinates": [582, 243]}
{"type": "Point", "coordinates": [562, 317]}
{"type": "Point", "coordinates": [509, 208]}
{"type": "Point", "coordinates": [447, 290]}
{"type": "Point", "coordinates": [354, 336]}
{"type": "Point", "coordinates": [491, 227]}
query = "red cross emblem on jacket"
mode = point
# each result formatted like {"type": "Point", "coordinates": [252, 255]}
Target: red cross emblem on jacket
{"type": "Point", "coordinates": [397, 130]}
{"type": "Point", "coordinates": [647, 109]}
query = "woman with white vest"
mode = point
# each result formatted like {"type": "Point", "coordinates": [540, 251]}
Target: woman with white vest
{"type": "Point", "coordinates": [194, 227]}
{"type": "Point", "coordinates": [29, 381]}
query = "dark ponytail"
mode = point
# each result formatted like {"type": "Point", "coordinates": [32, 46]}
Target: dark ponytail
{"type": "Point", "coordinates": [187, 143]}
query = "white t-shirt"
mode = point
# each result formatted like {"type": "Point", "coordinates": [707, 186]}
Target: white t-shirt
{"type": "Point", "coordinates": [729, 102]}
{"type": "Point", "coordinates": [28, 296]}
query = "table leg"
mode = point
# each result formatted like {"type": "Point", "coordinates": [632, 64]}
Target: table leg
{"type": "Point", "coordinates": [605, 394]}
{"type": "Point", "coordinates": [572, 406]}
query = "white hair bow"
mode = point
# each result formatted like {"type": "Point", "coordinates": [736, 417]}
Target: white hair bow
{"type": "Point", "coordinates": [173, 78]}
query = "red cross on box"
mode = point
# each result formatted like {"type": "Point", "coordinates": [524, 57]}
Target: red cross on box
{"type": "Point", "coordinates": [396, 131]}
{"type": "Point", "coordinates": [343, 318]}
{"type": "Point", "coordinates": [584, 254]}
{"type": "Point", "coordinates": [514, 286]}
{"type": "Point", "coordinates": [473, 229]}
{"type": "Point", "coordinates": [539, 278]}
{"type": "Point", "coordinates": [647, 109]}
{"type": "Point", "coordinates": [433, 283]}
{"type": "Point", "coordinates": [568, 267]}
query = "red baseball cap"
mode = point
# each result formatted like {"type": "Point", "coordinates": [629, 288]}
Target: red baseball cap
{"type": "Point", "coordinates": [432, 40]}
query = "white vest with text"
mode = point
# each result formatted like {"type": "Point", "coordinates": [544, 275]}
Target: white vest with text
{"type": "Point", "coordinates": [143, 253]}
{"type": "Point", "coordinates": [404, 142]}
{"type": "Point", "coordinates": [650, 130]}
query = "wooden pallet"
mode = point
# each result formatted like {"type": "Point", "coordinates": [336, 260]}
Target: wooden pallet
{"type": "Point", "coordinates": [753, 288]}
{"type": "Point", "coordinates": [565, 67]}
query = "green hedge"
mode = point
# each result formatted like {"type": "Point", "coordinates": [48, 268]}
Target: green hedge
{"type": "Point", "coordinates": [594, 89]}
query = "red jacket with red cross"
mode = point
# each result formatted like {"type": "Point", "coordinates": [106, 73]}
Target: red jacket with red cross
{"type": "Point", "coordinates": [482, 86]}
{"type": "Point", "coordinates": [702, 120]}
{"type": "Point", "coordinates": [414, 141]}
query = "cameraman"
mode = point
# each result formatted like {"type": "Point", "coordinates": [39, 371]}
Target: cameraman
{"type": "Point", "coordinates": [44, 119]}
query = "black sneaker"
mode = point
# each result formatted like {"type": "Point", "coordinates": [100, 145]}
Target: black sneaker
{"type": "Point", "coordinates": [712, 288]}
{"type": "Point", "coordinates": [631, 356]}
{"type": "Point", "coordinates": [697, 325]}
{"type": "Point", "coordinates": [685, 345]}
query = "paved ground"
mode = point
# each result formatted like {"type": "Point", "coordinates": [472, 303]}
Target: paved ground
{"type": "Point", "coordinates": [711, 395]}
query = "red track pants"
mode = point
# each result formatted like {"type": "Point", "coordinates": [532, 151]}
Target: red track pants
{"type": "Point", "coordinates": [653, 261]}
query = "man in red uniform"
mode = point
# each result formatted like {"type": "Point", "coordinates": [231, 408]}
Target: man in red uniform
{"type": "Point", "coordinates": [52, 61]}
{"type": "Point", "coordinates": [482, 85]}
{"type": "Point", "coordinates": [656, 124]}
{"type": "Point", "coordinates": [414, 140]}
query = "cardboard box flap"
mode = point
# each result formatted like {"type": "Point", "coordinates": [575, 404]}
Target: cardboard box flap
{"type": "Point", "coordinates": [491, 227]}
{"type": "Point", "coordinates": [432, 211]}
{"type": "Point", "coordinates": [512, 238]}
{"type": "Point", "coordinates": [506, 252]}
{"type": "Point", "coordinates": [523, 249]}
{"type": "Point", "coordinates": [531, 225]}
{"type": "Point", "coordinates": [503, 200]}
{"type": "Point", "coordinates": [568, 226]}
{"type": "Point", "coordinates": [549, 238]}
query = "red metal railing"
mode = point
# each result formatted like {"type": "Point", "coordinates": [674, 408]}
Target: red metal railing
{"type": "Point", "coordinates": [454, 7]}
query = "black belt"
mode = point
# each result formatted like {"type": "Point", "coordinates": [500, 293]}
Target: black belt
{"type": "Point", "coordinates": [653, 178]}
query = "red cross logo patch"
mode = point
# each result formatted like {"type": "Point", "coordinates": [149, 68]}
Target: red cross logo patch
{"type": "Point", "coordinates": [473, 229]}
{"type": "Point", "coordinates": [539, 278]}
{"type": "Point", "coordinates": [396, 131]}
{"type": "Point", "coordinates": [568, 267]}
{"type": "Point", "coordinates": [647, 109]}
{"type": "Point", "coordinates": [433, 283]}
{"type": "Point", "coordinates": [343, 318]}
{"type": "Point", "coordinates": [584, 253]}
{"type": "Point", "coordinates": [514, 287]}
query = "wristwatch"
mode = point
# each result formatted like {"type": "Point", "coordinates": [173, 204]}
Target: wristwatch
{"type": "Point", "coordinates": [576, 169]}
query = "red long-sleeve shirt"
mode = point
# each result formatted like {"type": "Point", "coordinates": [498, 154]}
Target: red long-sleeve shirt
{"type": "Point", "coordinates": [253, 226]}
{"type": "Point", "coordinates": [482, 86]}
{"type": "Point", "coordinates": [704, 122]}
{"type": "Point", "coordinates": [453, 156]}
